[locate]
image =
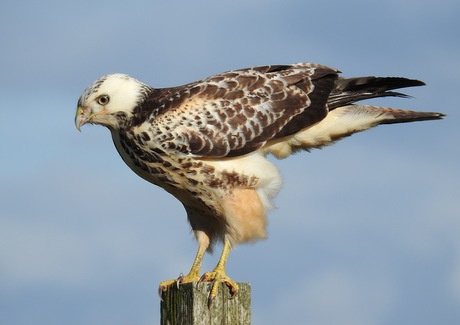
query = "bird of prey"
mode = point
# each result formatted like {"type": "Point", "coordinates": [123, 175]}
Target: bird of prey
{"type": "Point", "coordinates": [206, 142]}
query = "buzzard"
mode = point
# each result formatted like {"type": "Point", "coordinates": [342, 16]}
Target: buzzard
{"type": "Point", "coordinates": [206, 142]}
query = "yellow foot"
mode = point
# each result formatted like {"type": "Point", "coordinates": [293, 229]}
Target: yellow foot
{"type": "Point", "coordinates": [217, 277]}
{"type": "Point", "coordinates": [164, 285]}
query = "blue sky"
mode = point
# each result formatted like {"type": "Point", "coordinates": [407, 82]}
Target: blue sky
{"type": "Point", "coordinates": [366, 231]}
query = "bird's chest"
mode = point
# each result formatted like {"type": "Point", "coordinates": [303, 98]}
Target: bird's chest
{"type": "Point", "coordinates": [196, 183]}
{"type": "Point", "coordinates": [155, 167]}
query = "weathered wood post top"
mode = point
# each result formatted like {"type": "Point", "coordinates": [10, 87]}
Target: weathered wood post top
{"type": "Point", "coordinates": [188, 305]}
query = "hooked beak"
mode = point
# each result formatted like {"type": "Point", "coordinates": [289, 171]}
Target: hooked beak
{"type": "Point", "coordinates": [80, 118]}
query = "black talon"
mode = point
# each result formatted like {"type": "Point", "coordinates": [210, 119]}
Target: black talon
{"type": "Point", "coordinates": [179, 280]}
{"type": "Point", "coordinates": [210, 300]}
{"type": "Point", "coordinates": [233, 294]}
{"type": "Point", "coordinates": [200, 280]}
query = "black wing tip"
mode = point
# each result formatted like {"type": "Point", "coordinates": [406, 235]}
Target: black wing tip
{"type": "Point", "coordinates": [377, 84]}
{"type": "Point", "coordinates": [401, 82]}
{"type": "Point", "coordinates": [351, 90]}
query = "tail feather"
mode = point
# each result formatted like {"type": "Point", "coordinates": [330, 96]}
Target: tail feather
{"type": "Point", "coordinates": [343, 122]}
{"type": "Point", "coordinates": [373, 115]}
{"type": "Point", "coordinates": [351, 90]}
{"type": "Point", "coordinates": [402, 116]}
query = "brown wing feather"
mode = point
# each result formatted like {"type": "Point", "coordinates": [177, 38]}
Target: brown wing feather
{"type": "Point", "coordinates": [237, 112]}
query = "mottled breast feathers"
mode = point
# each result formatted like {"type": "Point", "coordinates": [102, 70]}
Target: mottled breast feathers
{"type": "Point", "coordinates": [236, 112]}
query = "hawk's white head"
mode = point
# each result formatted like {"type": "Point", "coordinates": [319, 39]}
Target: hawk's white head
{"type": "Point", "coordinates": [109, 101]}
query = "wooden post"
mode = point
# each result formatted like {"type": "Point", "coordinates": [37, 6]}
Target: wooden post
{"type": "Point", "coordinates": [188, 305]}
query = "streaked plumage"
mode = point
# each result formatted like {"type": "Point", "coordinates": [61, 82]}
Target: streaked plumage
{"type": "Point", "coordinates": [206, 142]}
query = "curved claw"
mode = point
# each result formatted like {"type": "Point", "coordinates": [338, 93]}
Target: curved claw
{"type": "Point", "coordinates": [179, 280]}
{"type": "Point", "coordinates": [233, 292]}
{"type": "Point", "coordinates": [210, 300]}
{"type": "Point", "coordinates": [205, 278]}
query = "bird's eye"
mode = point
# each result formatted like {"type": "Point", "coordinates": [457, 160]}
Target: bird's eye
{"type": "Point", "coordinates": [103, 100]}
